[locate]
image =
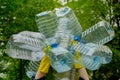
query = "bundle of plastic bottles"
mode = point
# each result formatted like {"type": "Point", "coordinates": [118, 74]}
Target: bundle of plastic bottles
{"type": "Point", "coordinates": [60, 37]}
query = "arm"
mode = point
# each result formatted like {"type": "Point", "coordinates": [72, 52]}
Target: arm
{"type": "Point", "coordinates": [43, 68]}
{"type": "Point", "coordinates": [83, 74]}
{"type": "Point", "coordinates": [39, 75]}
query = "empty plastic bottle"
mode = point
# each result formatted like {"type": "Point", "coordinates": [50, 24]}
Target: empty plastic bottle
{"type": "Point", "coordinates": [32, 68]}
{"type": "Point", "coordinates": [47, 23]}
{"type": "Point", "coordinates": [62, 33]}
{"type": "Point", "coordinates": [68, 21]}
{"type": "Point", "coordinates": [24, 47]}
{"type": "Point", "coordinates": [68, 75]}
{"type": "Point", "coordinates": [36, 35]}
{"type": "Point", "coordinates": [106, 54]}
{"type": "Point", "coordinates": [20, 53]}
{"type": "Point", "coordinates": [52, 40]}
{"type": "Point", "coordinates": [93, 55]}
{"type": "Point", "coordinates": [60, 59]}
{"type": "Point", "coordinates": [64, 41]}
{"type": "Point", "coordinates": [68, 26]}
{"type": "Point", "coordinates": [27, 42]}
{"type": "Point", "coordinates": [100, 33]}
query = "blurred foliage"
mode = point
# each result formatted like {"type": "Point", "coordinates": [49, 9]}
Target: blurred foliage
{"type": "Point", "coordinates": [19, 15]}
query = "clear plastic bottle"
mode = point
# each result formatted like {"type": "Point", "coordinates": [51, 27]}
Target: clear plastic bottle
{"type": "Point", "coordinates": [62, 33]}
{"type": "Point", "coordinates": [106, 54]}
{"type": "Point", "coordinates": [47, 23]}
{"type": "Point", "coordinates": [65, 41]}
{"type": "Point", "coordinates": [24, 47]}
{"type": "Point", "coordinates": [32, 68]}
{"type": "Point", "coordinates": [93, 55]}
{"type": "Point", "coordinates": [20, 53]}
{"type": "Point", "coordinates": [68, 26]}
{"type": "Point", "coordinates": [68, 21]}
{"type": "Point", "coordinates": [68, 75]}
{"type": "Point", "coordinates": [27, 42]}
{"type": "Point", "coordinates": [99, 33]}
{"type": "Point", "coordinates": [60, 59]}
{"type": "Point", "coordinates": [36, 35]}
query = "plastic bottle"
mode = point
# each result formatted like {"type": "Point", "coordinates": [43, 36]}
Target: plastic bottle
{"type": "Point", "coordinates": [68, 20]}
{"type": "Point", "coordinates": [62, 33]}
{"type": "Point", "coordinates": [27, 42]}
{"type": "Point", "coordinates": [23, 47]}
{"type": "Point", "coordinates": [16, 52]}
{"type": "Point", "coordinates": [68, 75]}
{"type": "Point", "coordinates": [65, 41]}
{"type": "Point", "coordinates": [68, 26]}
{"type": "Point", "coordinates": [36, 35]}
{"type": "Point", "coordinates": [100, 33]}
{"type": "Point", "coordinates": [52, 40]}
{"type": "Point", "coordinates": [93, 55]}
{"type": "Point", "coordinates": [60, 59]}
{"type": "Point", "coordinates": [106, 54]}
{"type": "Point", "coordinates": [47, 23]}
{"type": "Point", "coordinates": [32, 68]}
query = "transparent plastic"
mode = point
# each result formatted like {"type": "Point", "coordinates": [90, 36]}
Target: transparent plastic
{"type": "Point", "coordinates": [36, 35]}
{"type": "Point", "coordinates": [20, 53]}
{"type": "Point", "coordinates": [68, 21]}
{"type": "Point", "coordinates": [68, 26]}
{"type": "Point", "coordinates": [93, 55]}
{"type": "Point", "coordinates": [47, 23]}
{"type": "Point", "coordinates": [25, 46]}
{"type": "Point", "coordinates": [26, 42]}
{"type": "Point", "coordinates": [99, 33]}
{"type": "Point", "coordinates": [60, 59]}
{"type": "Point", "coordinates": [32, 68]}
{"type": "Point", "coordinates": [68, 75]}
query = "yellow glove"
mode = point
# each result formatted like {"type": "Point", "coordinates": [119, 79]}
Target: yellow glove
{"type": "Point", "coordinates": [78, 60]}
{"type": "Point", "coordinates": [44, 64]}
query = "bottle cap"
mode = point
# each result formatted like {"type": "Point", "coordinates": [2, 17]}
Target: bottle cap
{"type": "Point", "coordinates": [77, 38]}
{"type": "Point", "coordinates": [96, 59]}
{"type": "Point", "coordinates": [54, 45]}
{"type": "Point", "coordinates": [62, 11]}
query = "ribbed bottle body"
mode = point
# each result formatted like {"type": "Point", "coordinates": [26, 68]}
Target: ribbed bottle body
{"type": "Point", "coordinates": [32, 68]}
{"type": "Point", "coordinates": [93, 55]}
{"type": "Point", "coordinates": [26, 46]}
{"type": "Point", "coordinates": [68, 75]}
{"type": "Point", "coordinates": [47, 23]}
{"type": "Point", "coordinates": [60, 59]}
{"type": "Point", "coordinates": [99, 33]}
{"type": "Point", "coordinates": [68, 21]}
